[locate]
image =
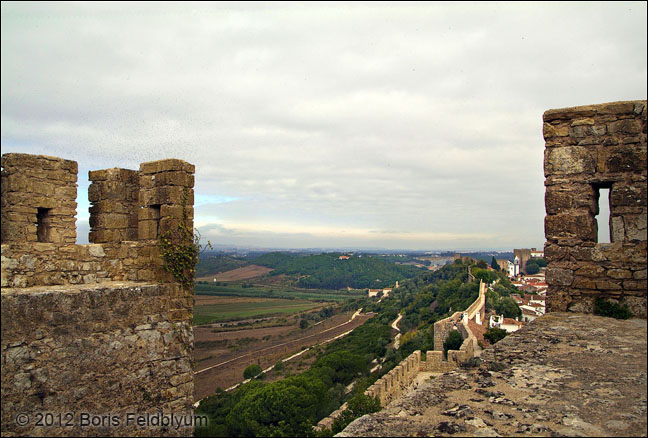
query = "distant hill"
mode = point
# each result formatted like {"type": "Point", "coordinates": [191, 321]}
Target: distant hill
{"type": "Point", "coordinates": [336, 270]}
{"type": "Point", "coordinates": [210, 264]}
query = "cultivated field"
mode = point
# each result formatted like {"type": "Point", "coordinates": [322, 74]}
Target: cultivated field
{"type": "Point", "coordinates": [222, 354]}
{"type": "Point", "coordinates": [273, 291]}
{"type": "Point", "coordinates": [211, 309]}
{"type": "Point", "coordinates": [238, 274]}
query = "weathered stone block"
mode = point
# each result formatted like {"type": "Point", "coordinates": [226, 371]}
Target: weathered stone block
{"type": "Point", "coordinates": [579, 224]}
{"type": "Point", "coordinates": [625, 158]}
{"type": "Point", "coordinates": [569, 160]}
{"type": "Point", "coordinates": [636, 227]}
{"type": "Point", "coordinates": [550, 131]}
{"type": "Point", "coordinates": [634, 285]}
{"type": "Point", "coordinates": [616, 108]}
{"type": "Point", "coordinates": [618, 229]}
{"type": "Point", "coordinates": [608, 285]}
{"type": "Point", "coordinates": [176, 178]}
{"type": "Point", "coordinates": [590, 270]}
{"type": "Point", "coordinates": [166, 165]}
{"type": "Point", "coordinates": [619, 273]}
{"type": "Point", "coordinates": [147, 230]}
{"type": "Point", "coordinates": [639, 275]}
{"type": "Point", "coordinates": [569, 113]}
{"type": "Point", "coordinates": [627, 126]}
{"type": "Point", "coordinates": [559, 276]}
{"type": "Point", "coordinates": [557, 201]}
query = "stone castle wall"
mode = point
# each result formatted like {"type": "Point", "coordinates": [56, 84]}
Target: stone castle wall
{"type": "Point", "coordinates": [103, 351]}
{"type": "Point", "coordinates": [590, 148]}
{"type": "Point", "coordinates": [99, 330]}
{"type": "Point", "coordinates": [395, 382]}
{"type": "Point", "coordinates": [475, 311]}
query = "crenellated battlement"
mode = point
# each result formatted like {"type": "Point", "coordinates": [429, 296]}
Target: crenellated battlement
{"type": "Point", "coordinates": [100, 328]}
{"type": "Point", "coordinates": [130, 210]}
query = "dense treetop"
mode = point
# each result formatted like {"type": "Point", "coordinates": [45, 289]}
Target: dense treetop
{"type": "Point", "coordinates": [329, 271]}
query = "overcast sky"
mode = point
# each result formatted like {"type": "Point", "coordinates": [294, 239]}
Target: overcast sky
{"type": "Point", "coordinates": [321, 125]}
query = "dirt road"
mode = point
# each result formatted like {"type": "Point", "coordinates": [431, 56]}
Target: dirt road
{"type": "Point", "coordinates": [218, 373]}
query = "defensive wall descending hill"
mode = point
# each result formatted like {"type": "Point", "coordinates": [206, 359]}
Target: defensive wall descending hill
{"type": "Point", "coordinates": [397, 381]}
{"type": "Point", "coordinates": [96, 339]}
{"type": "Point", "coordinates": [393, 384]}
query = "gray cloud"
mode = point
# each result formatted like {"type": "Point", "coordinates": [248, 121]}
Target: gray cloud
{"type": "Point", "coordinates": [415, 119]}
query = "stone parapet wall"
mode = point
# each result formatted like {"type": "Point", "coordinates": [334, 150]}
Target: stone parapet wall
{"type": "Point", "coordinates": [114, 194]}
{"type": "Point", "coordinates": [130, 209]}
{"type": "Point", "coordinates": [99, 330]}
{"type": "Point", "coordinates": [109, 350]}
{"type": "Point", "coordinates": [588, 149]}
{"type": "Point", "coordinates": [442, 329]}
{"type": "Point", "coordinates": [37, 264]}
{"type": "Point", "coordinates": [389, 387]}
{"type": "Point", "coordinates": [395, 382]}
{"type": "Point", "coordinates": [38, 199]}
{"type": "Point", "coordinates": [479, 305]}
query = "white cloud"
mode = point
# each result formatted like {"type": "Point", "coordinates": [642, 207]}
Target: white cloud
{"type": "Point", "coordinates": [404, 119]}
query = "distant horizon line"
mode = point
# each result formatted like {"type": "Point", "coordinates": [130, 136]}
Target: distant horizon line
{"type": "Point", "coordinates": [217, 247]}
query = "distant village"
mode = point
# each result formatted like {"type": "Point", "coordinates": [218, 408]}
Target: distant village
{"type": "Point", "coordinates": [531, 284]}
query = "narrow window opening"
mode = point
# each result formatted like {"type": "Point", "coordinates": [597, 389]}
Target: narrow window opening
{"type": "Point", "coordinates": [603, 217]}
{"type": "Point", "coordinates": [43, 224]}
{"type": "Point", "coordinates": [155, 210]}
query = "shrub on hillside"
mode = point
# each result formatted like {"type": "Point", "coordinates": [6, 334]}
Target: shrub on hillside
{"type": "Point", "coordinates": [609, 308]}
{"type": "Point", "coordinates": [495, 334]}
{"type": "Point", "coordinates": [252, 371]}
{"type": "Point", "coordinates": [357, 407]}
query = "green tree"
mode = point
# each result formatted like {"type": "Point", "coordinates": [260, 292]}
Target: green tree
{"type": "Point", "coordinates": [357, 407]}
{"type": "Point", "coordinates": [287, 407]}
{"type": "Point", "coordinates": [252, 371]}
{"type": "Point", "coordinates": [494, 264]}
{"type": "Point", "coordinates": [495, 334]}
{"type": "Point", "coordinates": [540, 261]}
{"type": "Point", "coordinates": [508, 307]}
{"type": "Point", "coordinates": [453, 342]}
{"type": "Point", "coordinates": [342, 366]}
{"type": "Point", "coordinates": [532, 268]}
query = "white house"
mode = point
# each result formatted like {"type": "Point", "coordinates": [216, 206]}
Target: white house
{"type": "Point", "coordinates": [508, 324]}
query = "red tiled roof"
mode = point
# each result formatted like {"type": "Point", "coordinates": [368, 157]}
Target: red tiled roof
{"type": "Point", "coordinates": [478, 330]}
{"type": "Point", "coordinates": [511, 321]}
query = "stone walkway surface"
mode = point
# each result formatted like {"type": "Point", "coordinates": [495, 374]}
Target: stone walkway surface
{"type": "Point", "coordinates": [565, 374]}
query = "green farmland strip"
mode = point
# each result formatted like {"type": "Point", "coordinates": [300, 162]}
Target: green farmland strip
{"type": "Point", "coordinates": [236, 290]}
{"type": "Point", "coordinates": [205, 314]}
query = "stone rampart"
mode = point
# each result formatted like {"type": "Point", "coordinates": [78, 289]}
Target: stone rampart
{"type": "Point", "coordinates": [99, 332]}
{"type": "Point", "coordinates": [106, 351]}
{"type": "Point", "coordinates": [442, 329]}
{"type": "Point", "coordinates": [588, 149]}
{"type": "Point", "coordinates": [395, 382]}
{"type": "Point", "coordinates": [459, 321]}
